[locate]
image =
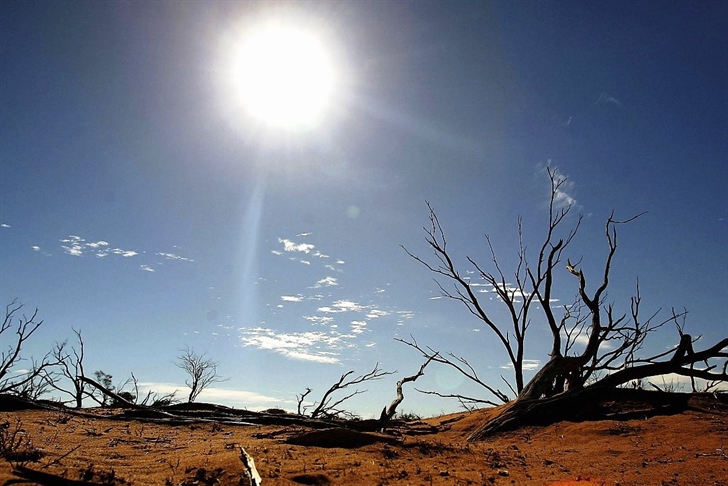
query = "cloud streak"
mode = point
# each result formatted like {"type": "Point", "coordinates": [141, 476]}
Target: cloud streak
{"type": "Point", "coordinates": [329, 321]}
{"type": "Point", "coordinates": [172, 256]}
{"type": "Point", "coordinates": [606, 99]}
{"type": "Point", "coordinates": [247, 399]}
{"type": "Point", "coordinates": [290, 246]}
{"type": "Point", "coordinates": [77, 246]}
{"type": "Point", "coordinates": [313, 346]}
{"type": "Point", "coordinates": [326, 282]}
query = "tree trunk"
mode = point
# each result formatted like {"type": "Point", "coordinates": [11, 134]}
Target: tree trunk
{"type": "Point", "coordinates": [110, 393]}
{"type": "Point", "coordinates": [551, 378]}
{"type": "Point", "coordinates": [592, 403]}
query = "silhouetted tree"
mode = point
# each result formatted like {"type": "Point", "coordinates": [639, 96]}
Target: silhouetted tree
{"type": "Point", "coordinates": [202, 372]}
{"type": "Point", "coordinates": [70, 363]}
{"type": "Point", "coordinates": [33, 382]}
{"type": "Point", "coordinates": [609, 356]}
{"type": "Point", "coordinates": [151, 399]}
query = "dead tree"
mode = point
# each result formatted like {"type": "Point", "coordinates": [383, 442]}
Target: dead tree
{"type": "Point", "coordinates": [98, 395]}
{"type": "Point", "coordinates": [462, 366]}
{"type": "Point", "coordinates": [151, 399]}
{"type": "Point", "coordinates": [202, 372]}
{"type": "Point", "coordinates": [388, 412]}
{"type": "Point", "coordinates": [71, 369]}
{"type": "Point", "coordinates": [301, 410]}
{"type": "Point", "coordinates": [532, 285]}
{"type": "Point", "coordinates": [107, 391]}
{"type": "Point", "coordinates": [328, 407]}
{"type": "Point", "coordinates": [610, 357]}
{"type": "Point", "coordinates": [34, 382]}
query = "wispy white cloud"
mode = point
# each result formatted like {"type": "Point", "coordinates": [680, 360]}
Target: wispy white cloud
{"type": "Point", "coordinates": [531, 364]}
{"type": "Point", "coordinates": [339, 322]}
{"type": "Point", "coordinates": [307, 346]}
{"type": "Point", "coordinates": [124, 253]}
{"type": "Point", "coordinates": [73, 245]}
{"type": "Point", "coordinates": [564, 194]}
{"type": "Point", "coordinates": [292, 298]}
{"type": "Point", "coordinates": [320, 320]}
{"type": "Point", "coordinates": [375, 313]}
{"type": "Point", "coordinates": [358, 327]}
{"type": "Point", "coordinates": [4, 225]}
{"type": "Point", "coordinates": [404, 315]}
{"type": "Point", "coordinates": [580, 337]}
{"type": "Point", "coordinates": [97, 244]}
{"type": "Point", "coordinates": [289, 245]}
{"type": "Point", "coordinates": [528, 365]}
{"type": "Point", "coordinates": [76, 246]}
{"type": "Point", "coordinates": [38, 249]}
{"type": "Point", "coordinates": [342, 306]}
{"type": "Point", "coordinates": [326, 282]}
{"type": "Point", "coordinates": [563, 199]}
{"type": "Point", "coordinates": [224, 396]}
{"type": "Point", "coordinates": [607, 99]}
{"type": "Point", "coordinates": [172, 256]}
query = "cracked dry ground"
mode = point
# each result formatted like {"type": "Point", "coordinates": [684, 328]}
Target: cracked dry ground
{"type": "Point", "coordinates": [683, 449]}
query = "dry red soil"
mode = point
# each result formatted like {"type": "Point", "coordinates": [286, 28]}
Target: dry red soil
{"type": "Point", "coordinates": [689, 448]}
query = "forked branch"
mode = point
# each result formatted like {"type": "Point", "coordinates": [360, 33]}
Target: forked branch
{"type": "Point", "coordinates": [388, 412]}
{"type": "Point", "coordinates": [328, 407]}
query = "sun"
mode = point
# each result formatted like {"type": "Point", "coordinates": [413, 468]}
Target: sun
{"type": "Point", "coordinates": [283, 76]}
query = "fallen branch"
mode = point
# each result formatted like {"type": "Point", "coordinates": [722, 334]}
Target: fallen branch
{"type": "Point", "coordinates": [111, 394]}
{"type": "Point", "coordinates": [251, 472]}
{"type": "Point", "coordinates": [325, 407]}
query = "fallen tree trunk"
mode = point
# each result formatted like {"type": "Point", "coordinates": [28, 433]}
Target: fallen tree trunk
{"type": "Point", "coordinates": [593, 403]}
{"type": "Point", "coordinates": [111, 394]}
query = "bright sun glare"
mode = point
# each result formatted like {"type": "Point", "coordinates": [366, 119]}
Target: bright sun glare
{"type": "Point", "coordinates": [283, 77]}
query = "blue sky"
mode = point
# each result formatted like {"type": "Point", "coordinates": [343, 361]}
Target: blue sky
{"type": "Point", "coordinates": [141, 206]}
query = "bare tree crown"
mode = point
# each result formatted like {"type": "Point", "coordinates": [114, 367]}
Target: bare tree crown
{"type": "Point", "coordinates": [201, 371]}
{"type": "Point", "coordinates": [610, 355]}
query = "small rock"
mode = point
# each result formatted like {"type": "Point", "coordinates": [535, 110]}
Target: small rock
{"type": "Point", "coordinates": [504, 473]}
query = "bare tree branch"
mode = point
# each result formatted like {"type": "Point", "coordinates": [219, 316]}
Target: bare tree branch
{"type": "Point", "coordinates": [465, 401]}
{"type": "Point", "coordinates": [35, 381]}
{"type": "Point", "coordinates": [301, 410]}
{"type": "Point", "coordinates": [202, 372]}
{"type": "Point", "coordinates": [388, 412]}
{"type": "Point", "coordinates": [326, 407]}
{"type": "Point", "coordinates": [593, 344]}
{"type": "Point", "coordinates": [71, 366]}
{"type": "Point", "coordinates": [460, 364]}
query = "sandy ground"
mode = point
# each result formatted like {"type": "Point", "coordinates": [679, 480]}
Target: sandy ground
{"type": "Point", "coordinates": [689, 448]}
